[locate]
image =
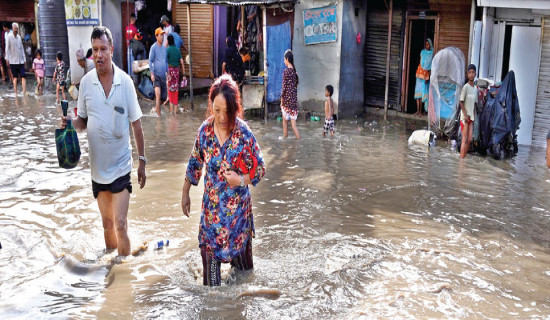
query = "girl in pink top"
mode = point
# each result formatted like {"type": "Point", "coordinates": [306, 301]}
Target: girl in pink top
{"type": "Point", "coordinates": [38, 67]}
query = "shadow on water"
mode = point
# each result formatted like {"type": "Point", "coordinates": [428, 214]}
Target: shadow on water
{"type": "Point", "coordinates": [356, 226]}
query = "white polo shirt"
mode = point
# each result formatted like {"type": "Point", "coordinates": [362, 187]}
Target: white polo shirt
{"type": "Point", "coordinates": [108, 130]}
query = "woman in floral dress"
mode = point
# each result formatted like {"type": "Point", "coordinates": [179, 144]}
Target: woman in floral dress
{"type": "Point", "coordinates": [289, 95]}
{"type": "Point", "coordinates": [233, 160]}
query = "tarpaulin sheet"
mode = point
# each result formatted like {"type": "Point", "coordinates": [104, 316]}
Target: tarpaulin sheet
{"type": "Point", "coordinates": [278, 41]}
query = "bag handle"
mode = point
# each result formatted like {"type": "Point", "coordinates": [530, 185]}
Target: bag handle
{"type": "Point", "coordinates": [64, 107]}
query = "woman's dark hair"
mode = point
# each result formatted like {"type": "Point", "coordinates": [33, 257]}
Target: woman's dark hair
{"type": "Point", "coordinates": [89, 53]}
{"type": "Point", "coordinates": [170, 40]}
{"type": "Point", "coordinates": [59, 56]}
{"type": "Point", "coordinates": [225, 86]}
{"type": "Point", "coordinates": [38, 51]}
{"type": "Point", "coordinates": [290, 57]}
{"type": "Point", "coordinates": [98, 32]}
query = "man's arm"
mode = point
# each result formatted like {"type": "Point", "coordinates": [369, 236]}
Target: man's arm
{"type": "Point", "coordinates": [140, 144]}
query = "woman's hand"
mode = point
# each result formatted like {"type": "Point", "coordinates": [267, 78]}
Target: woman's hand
{"type": "Point", "coordinates": [185, 203]}
{"type": "Point", "coordinates": [185, 200]}
{"type": "Point", "coordinates": [233, 178]}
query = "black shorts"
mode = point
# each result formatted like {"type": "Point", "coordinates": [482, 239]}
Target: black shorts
{"type": "Point", "coordinates": [17, 70]}
{"type": "Point", "coordinates": [116, 186]}
{"type": "Point", "coordinates": [161, 83]}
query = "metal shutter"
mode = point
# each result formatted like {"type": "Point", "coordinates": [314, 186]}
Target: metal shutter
{"type": "Point", "coordinates": [202, 32]}
{"type": "Point", "coordinates": [541, 124]}
{"type": "Point", "coordinates": [375, 57]}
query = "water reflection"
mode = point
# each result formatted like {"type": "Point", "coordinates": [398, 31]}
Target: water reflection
{"type": "Point", "coordinates": [356, 226]}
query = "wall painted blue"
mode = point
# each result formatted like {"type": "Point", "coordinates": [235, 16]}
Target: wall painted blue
{"type": "Point", "coordinates": [351, 95]}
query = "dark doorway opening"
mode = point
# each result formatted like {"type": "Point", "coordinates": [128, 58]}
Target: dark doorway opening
{"type": "Point", "coordinates": [420, 31]}
{"type": "Point", "coordinates": [506, 51]}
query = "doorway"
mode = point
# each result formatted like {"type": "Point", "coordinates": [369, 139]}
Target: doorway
{"type": "Point", "coordinates": [418, 30]}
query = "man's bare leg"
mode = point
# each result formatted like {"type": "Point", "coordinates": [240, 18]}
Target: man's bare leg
{"type": "Point", "coordinates": [24, 84]}
{"type": "Point", "coordinates": [105, 203]}
{"type": "Point", "coordinates": [157, 100]}
{"type": "Point", "coordinates": [15, 85]}
{"type": "Point", "coordinates": [120, 203]}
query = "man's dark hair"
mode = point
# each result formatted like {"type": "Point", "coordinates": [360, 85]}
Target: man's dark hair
{"type": "Point", "coordinates": [89, 53]}
{"type": "Point", "coordinates": [59, 55]}
{"type": "Point", "coordinates": [100, 31]}
{"type": "Point", "coordinates": [132, 16]}
{"type": "Point", "coordinates": [7, 25]}
{"type": "Point", "coordinates": [330, 89]}
{"type": "Point", "coordinates": [170, 40]}
{"type": "Point", "coordinates": [177, 29]}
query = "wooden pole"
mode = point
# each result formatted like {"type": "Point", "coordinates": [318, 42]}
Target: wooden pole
{"type": "Point", "coordinates": [264, 40]}
{"type": "Point", "coordinates": [388, 52]}
{"type": "Point", "coordinates": [190, 56]}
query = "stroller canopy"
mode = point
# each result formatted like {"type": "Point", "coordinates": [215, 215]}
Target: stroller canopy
{"type": "Point", "coordinates": [446, 81]}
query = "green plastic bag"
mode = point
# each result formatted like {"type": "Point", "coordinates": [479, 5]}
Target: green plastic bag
{"type": "Point", "coordinates": [66, 142]}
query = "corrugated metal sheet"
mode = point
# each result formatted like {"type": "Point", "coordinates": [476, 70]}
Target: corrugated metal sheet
{"type": "Point", "coordinates": [541, 124]}
{"type": "Point", "coordinates": [376, 43]}
{"type": "Point", "coordinates": [17, 11]}
{"type": "Point", "coordinates": [454, 23]}
{"type": "Point", "coordinates": [237, 2]}
{"type": "Point", "coordinates": [202, 17]}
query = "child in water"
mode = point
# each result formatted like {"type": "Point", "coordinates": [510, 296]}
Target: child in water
{"type": "Point", "coordinates": [329, 111]}
{"type": "Point", "coordinates": [468, 100]}
{"type": "Point", "coordinates": [58, 76]}
{"type": "Point", "coordinates": [38, 68]}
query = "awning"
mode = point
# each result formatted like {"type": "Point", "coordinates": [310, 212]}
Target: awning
{"type": "Point", "coordinates": [515, 4]}
{"type": "Point", "coordinates": [236, 2]}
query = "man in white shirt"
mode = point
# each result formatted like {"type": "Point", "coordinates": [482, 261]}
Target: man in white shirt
{"type": "Point", "coordinates": [167, 28]}
{"type": "Point", "coordinates": [15, 57]}
{"type": "Point", "coordinates": [107, 103]}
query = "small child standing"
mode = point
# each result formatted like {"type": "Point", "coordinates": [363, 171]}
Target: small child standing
{"type": "Point", "coordinates": [329, 111]}
{"type": "Point", "coordinates": [58, 76]}
{"type": "Point", "coordinates": [38, 68]}
{"type": "Point", "coordinates": [468, 100]}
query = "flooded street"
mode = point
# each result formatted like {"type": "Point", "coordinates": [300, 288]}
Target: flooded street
{"type": "Point", "coordinates": [356, 226]}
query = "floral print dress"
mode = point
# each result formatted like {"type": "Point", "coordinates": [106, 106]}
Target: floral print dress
{"type": "Point", "coordinates": [226, 222]}
{"type": "Point", "coordinates": [60, 69]}
{"type": "Point", "coordinates": [289, 92]}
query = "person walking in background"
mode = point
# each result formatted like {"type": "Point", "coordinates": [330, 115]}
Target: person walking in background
{"type": "Point", "coordinates": [158, 67]}
{"type": "Point", "coordinates": [107, 104]}
{"type": "Point", "coordinates": [84, 63]}
{"type": "Point", "coordinates": [167, 28]}
{"type": "Point", "coordinates": [329, 111]}
{"type": "Point", "coordinates": [177, 38]}
{"type": "Point", "coordinates": [233, 63]}
{"type": "Point", "coordinates": [131, 31]}
{"type": "Point", "coordinates": [7, 32]}
{"type": "Point", "coordinates": [233, 159]}
{"type": "Point", "coordinates": [15, 56]}
{"type": "Point", "coordinates": [289, 95]}
{"type": "Point", "coordinates": [173, 56]}
{"type": "Point", "coordinates": [468, 101]}
{"type": "Point", "coordinates": [38, 68]}
{"type": "Point", "coordinates": [422, 87]}
{"type": "Point", "coordinates": [58, 77]}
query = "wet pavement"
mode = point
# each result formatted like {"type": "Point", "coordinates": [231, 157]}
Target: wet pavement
{"type": "Point", "coordinates": [356, 226]}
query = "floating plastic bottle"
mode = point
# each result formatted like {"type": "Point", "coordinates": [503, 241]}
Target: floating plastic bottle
{"type": "Point", "coordinates": [161, 244]}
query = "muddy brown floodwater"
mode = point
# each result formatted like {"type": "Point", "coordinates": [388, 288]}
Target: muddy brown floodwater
{"type": "Point", "coordinates": [356, 226]}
